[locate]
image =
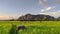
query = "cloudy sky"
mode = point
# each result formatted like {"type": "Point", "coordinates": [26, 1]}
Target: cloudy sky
{"type": "Point", "coordinates": [16, 8]}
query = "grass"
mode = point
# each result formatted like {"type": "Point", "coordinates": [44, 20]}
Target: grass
{"type": "Point", "coordinates": [32, 27]}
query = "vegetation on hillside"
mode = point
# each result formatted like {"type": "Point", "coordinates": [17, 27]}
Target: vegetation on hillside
{"type": "Point", "coordinates": [38, 17]}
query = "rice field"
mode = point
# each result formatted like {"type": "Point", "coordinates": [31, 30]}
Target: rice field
{"type": "Point", "coordinates": [32, 27]}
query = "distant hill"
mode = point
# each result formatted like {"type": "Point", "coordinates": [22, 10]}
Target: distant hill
{"type": "Point", "coordinates": [38, 17]}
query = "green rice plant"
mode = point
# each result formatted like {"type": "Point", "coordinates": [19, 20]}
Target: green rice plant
{"type": "Point", "coordinates": [13, 29]}
{"type": "Point", "coordinates": [33, 27]}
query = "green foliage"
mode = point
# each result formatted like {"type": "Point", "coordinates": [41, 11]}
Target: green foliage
{"type": "Point", "coordinates": [33, 27]}
{"type": "Point", "coordinates": [13, 29]}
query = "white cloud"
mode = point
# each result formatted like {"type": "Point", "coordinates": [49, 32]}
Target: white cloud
{"type": "Point", "coordinates": [46, 9]}
{"type": "Point", "coordinates": [42, 10]}
{"type": "Point", "coordinates": [47, 6]}
{"type": "Point", "coordinates": [55, 13]}
{"type": "Point", "coordinates": [49, 13]}
{"type": "Point", "coordinates": [44, 3]}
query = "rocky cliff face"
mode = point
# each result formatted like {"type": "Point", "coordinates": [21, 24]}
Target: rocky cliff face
{"type": "Point", "coordinates": [36, 17]}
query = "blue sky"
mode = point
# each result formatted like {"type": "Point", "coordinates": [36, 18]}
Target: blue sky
{"type": "Point", "coordinates": [16, 8]}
